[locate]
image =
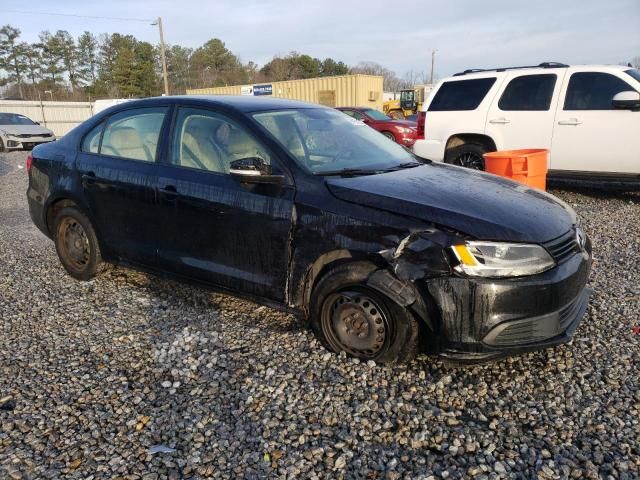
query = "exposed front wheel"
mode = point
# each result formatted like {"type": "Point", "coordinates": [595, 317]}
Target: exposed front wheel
{"type": "Point", "coordinates": [76, 244]}
{"type": "Point", "coordinates": [469, 155]}
{"type": "Point", "coordinates": [348, 316]}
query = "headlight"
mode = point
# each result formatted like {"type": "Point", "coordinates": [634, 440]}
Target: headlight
{"type": "Point", "coordinates": [405, 130]}
{"type": "Point", "coordinates": [495, 259]}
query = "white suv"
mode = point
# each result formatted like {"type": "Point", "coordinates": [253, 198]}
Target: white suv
{"type": "Point", "coordinates": [587, 116]}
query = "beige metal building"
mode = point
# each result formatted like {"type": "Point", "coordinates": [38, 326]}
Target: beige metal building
{"type": "Point", "coordinates": [339, 91]}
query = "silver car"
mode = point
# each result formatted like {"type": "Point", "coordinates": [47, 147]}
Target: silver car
{"type": "Point", "coordinates": [20, 132]}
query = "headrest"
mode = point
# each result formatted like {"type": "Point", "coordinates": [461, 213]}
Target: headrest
{"type": "Point", "coordinates": [125, 138]}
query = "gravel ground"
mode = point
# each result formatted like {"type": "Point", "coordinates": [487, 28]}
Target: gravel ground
{"type": "Point", "coordinates": [94, 375]}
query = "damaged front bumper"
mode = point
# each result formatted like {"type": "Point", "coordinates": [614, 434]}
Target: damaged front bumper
{"type": "Point", "coordinates": [484, 319]}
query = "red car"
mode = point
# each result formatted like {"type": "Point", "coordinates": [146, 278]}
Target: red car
{"type": "Point", "coordinates": [400, 131]}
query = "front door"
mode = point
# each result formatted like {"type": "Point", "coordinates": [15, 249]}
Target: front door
{"type": "Point", "coordinates": [589, 134]}
{"type": "Point", "coordinates": [118, 169]}
{"type": "Point", "coordinates": [213, 228]}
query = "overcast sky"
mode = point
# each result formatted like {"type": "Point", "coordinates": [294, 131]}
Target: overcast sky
{"type": "Point", "coordinates": [397, 34]}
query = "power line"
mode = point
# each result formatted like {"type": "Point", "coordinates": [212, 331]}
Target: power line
{"type": "Point", "coordinates": [79, 16]}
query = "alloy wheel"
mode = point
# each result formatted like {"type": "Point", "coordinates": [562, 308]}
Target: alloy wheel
{"type": "Point", "coordinates": [471, 160]}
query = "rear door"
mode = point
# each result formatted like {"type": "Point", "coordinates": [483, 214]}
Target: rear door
{"type": "Point", "coordinates": [118, 170]}
{"type": "Point", "coordinates": [522, 114]}
{"type": "Point", "coordinates": [589, 134]}
{"type": "Point", "coordinates": [215, 229]}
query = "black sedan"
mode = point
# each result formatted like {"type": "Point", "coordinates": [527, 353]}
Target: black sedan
{"type": "Point", "coordinates": [302, 208]}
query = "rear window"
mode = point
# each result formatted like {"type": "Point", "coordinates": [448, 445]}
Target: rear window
{"type": "Point", "coordinates": [461, 94]}
{"type": "Point", "coordinates": [528, 92]}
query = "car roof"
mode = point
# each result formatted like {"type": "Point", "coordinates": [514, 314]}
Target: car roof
{"type": "Point", "coordinates": [355, 108]}
{"type": "Point", "coordinates": [242, 103]}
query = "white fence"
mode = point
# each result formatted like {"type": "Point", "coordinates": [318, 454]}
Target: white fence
{"type": "Point", "coordinates": [57, 116]}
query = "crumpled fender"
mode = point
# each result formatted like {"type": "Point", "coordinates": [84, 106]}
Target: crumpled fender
{"type": "Point", "coordinates": [420, 255]}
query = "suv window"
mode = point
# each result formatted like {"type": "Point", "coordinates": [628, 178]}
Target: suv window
{"type": "Point", "coordinates": [133, 134]}
{"type": "Point", "coordinates": [208, 141]}
{"type": "Point", "coordinates": [593, 91]}
{"type": "Point", "coordinates": [461, 94]}
{"type": "Point", "coordinates": [528, 92]}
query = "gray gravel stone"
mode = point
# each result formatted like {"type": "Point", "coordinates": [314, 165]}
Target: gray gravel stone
{"type": "Point", "coordinates": [101, 371]}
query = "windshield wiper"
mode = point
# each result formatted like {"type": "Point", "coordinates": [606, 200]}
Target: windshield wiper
{"type": "Point", "coordinates": [349, 171]}
{"type": "Point", "coordinates": [402, 166]}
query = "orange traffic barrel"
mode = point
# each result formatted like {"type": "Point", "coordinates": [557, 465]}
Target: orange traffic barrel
{"type": "Point", "coordinates": [528, 166]}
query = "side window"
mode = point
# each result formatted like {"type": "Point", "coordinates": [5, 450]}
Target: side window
{"type": "Point", "coordinates": [354, 114]}
{"type": "Point", "coordinates": [593, 91]}
{"type": "Point", "coordinates": [528, 92]}
{"type": "Point", "coordinates": [133, 134]}
{"type": "Point", "coordinates": [208, 141]}
{"type": "Point", "coordinates": [459, 95]}
{"type": "Point", "coordinates": [91, 141]}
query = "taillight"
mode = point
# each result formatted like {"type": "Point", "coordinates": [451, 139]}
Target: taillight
{"type": "Point", "coordinates": [420, 128]}
{"type": "Point", "coordinates": [29, 163]}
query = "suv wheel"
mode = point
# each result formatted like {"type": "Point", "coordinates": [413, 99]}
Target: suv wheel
{"type": "Point", "coordinates": [76, 244]}
{"type": "Point", "coordinates": [469, 155]}
{"type": "Point", "coordinates": [347, 316]}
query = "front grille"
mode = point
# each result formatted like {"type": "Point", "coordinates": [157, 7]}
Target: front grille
{"type": "Point", "coordinates": [563, 247]}
{"type": "Point", "coordinates": [31, 135]}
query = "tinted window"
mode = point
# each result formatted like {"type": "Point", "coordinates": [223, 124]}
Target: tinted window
{"type": "Point", "coordinates": [209, 141]}
{"type": "Point", "coordinates": [133, 134]}
{"type": "Point", "coordinates": [593, 91]}
{"type": "Point", "coordinates": [528, 92]}
{"type": "Point", "coordinates": [634, 73]}
{"type": "Point", "coordinates": [461, 95]}
{"type": "Point", "coordinates": [91, 142]}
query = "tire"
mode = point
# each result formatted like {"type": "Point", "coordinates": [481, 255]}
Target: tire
{"type": "Point", "coordinates": [81, 259]}
{"type": "Point", "coordinates": [348, 316]}
{"type": "Point", "coordinates": [2, 149]}
{"type": "Point", "coordinates": [396, 114]}
{"type": "Point", "coordinates": [389, 135]}
{"type": "Point", "coordinates": [467, 155]}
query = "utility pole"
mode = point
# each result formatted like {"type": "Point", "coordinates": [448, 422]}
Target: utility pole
{"type": "Point", "coordinates": [433, 61]}
{"type": "Point", "coordinates": [162, 56]}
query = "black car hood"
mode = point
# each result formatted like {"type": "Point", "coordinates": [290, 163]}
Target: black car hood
{"type": "Point", "coordinates": [474, 203]}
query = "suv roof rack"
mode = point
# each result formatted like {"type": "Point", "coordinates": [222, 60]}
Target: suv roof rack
{"type": "Point", "coordinates": [502, 69]}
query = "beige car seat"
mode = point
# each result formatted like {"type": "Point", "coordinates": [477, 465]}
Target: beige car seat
{"type": "Point", "coordinates": [126, 142]}
{"type": "Point", "coordinates": [198, 149]}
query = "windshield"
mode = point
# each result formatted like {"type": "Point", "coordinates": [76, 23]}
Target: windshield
{"type": "Point", "coordinates": [14, 119]}
{"type": "Point", "coordinates": [325, 140]}
{"type": "Point", "coordinates": [376, 115]}
{"type": "Point", "coordinates": [634, 72]}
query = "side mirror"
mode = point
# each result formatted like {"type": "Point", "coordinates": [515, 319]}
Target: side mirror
{"type": "Point", "coordinates": [253, 170]}
{"type": "Point", "coordinates": [629, 100]}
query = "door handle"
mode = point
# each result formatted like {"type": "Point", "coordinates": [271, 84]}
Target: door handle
{"type": "Point", "coordinates": [169, 193]}
{"type": "Point", "coordinates": [89, 178]}
{"type": "Point", "coordinates": [500, 120]}
{"type": "Point", "coordinates": [571, 121]}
